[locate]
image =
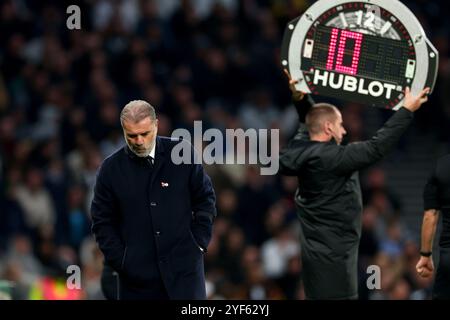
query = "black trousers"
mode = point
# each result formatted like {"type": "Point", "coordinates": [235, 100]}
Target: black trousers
{"type": "Point", "coordinates": [441, 288]}
{"type": "Point", "coordinates": [115, 287]}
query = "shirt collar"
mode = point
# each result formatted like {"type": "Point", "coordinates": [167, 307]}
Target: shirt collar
{"type": "Point", "coordinates": [152, 152]}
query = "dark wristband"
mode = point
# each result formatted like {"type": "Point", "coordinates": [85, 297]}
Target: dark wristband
{"type": "Point", "coordinates": [425, 254]}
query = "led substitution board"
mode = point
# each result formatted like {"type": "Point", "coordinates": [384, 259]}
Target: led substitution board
{"type": "Point", "coordinates": [363, 51]}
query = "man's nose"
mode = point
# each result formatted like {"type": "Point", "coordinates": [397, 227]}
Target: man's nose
{"type": "Point", "coordinates": [139, 140]}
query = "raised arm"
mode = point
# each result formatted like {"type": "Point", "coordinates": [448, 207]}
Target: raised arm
{"type": "Point", "coordinates": [303, 103]}
{"type": "Point", "coordinates": [358, 155]}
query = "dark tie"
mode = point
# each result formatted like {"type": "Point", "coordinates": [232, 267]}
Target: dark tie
{"type": "Point", "coordinates": [150, 161]}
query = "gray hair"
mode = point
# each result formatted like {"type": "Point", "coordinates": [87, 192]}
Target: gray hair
{"type": "Point", "coordinates": [137, 110]}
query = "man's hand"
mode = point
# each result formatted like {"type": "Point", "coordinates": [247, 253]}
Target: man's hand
{"type": "Point", "coordinates": [425, 267]}
{"type": "Point", "coordinates": [296, 95]}
{"type": "Point", "coordinates": [413, 103]}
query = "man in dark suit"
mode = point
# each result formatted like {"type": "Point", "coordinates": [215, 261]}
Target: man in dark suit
{"type": "Point", "coordinates": [152, 219]}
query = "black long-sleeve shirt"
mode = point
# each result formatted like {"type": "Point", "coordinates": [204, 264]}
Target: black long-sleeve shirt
{"type": "Point", "coordinates": [436, 195]}
{"type": "Point", "coordinates": [329, 201]}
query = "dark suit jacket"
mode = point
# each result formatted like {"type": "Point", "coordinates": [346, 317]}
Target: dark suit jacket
{"type": "Point", "coordinates": [151, 222]}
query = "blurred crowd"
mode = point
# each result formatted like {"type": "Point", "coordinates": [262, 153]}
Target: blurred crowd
{"type": "Point", "coordinates": [61, 92]}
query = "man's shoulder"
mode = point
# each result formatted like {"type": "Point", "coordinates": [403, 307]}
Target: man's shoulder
{"type": "Point", "coordinates": [329, 152]}
{"type": "Point", "coordinates": [185, 153]}
{"type": "Point", "coordinates": [327, 148]}
{"type": "Point", "coordinates": [114, 157]}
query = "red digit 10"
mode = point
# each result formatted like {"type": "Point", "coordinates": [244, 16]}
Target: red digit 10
{"type": "Point", "coordinates": [358, 37]}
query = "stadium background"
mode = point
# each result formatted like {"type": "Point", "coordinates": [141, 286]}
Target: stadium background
{"type": "Point", "coordinates": [61, 92]}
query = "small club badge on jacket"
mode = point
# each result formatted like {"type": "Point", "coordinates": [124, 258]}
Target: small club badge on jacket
{"type": "Point", "coordinates": [164, 184]}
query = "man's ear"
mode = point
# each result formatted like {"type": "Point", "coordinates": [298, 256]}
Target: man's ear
{"type": "Point", "coordinates": [327, 128]}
